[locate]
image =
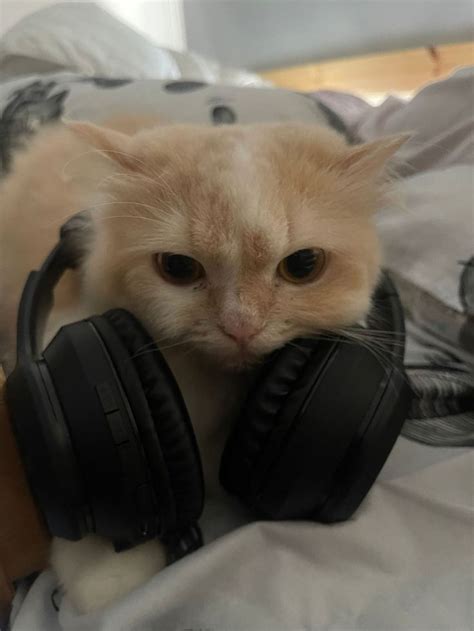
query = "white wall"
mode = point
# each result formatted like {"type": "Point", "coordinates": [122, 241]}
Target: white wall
{"type": "Point", "coordinates": [267, 33]}
{"type": "Point", "coordinates": [161, 20]}
{"type": "Point", "coordinates": [12, 11]}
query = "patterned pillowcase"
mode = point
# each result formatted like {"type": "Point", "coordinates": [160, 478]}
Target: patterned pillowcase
{"type": "Point", "coordinates": [27, 103]}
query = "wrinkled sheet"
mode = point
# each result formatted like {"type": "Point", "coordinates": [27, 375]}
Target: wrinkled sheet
{"type": "Point", "coordinates": [428, 230]}
{"type": "Point", "coordinates": [403, 563]}
{"type": "Point", "coordinates": [434, 228]}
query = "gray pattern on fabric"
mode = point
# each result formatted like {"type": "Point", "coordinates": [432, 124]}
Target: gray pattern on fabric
{"type": "Point", "coordinates": [443, 408]}
{"type": "Point", "coordinates": [26, 110]}
{"type": "Point", "coordinates": [455, 430]}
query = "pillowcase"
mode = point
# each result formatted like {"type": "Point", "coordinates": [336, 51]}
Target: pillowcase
{"type": "Point", "coordinates": [82, 37]}
{"type": "Point", "coordinates": [85, 38]}
{"type": "Point", "coordinates": [26, 103]}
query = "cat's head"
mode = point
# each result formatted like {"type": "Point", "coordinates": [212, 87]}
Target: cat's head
{"type": "Point", "coordinates": [234, 240]}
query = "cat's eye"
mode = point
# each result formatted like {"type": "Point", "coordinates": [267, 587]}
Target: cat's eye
{"type": "Point", "coordinates": [303, 266]}
{"type": "Point", "coordinates": [179, 269]}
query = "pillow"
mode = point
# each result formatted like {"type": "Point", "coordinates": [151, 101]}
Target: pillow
{"type": "Point", "coordinates": [28, 102]}
{"type": "Point", "coordinates": [84, 38]}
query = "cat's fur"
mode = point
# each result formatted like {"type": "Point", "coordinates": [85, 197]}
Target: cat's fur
{"type": "Point", "coordinates": [238, 199]}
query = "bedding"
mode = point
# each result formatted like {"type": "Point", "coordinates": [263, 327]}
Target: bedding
{"type": "Point", "coordinates": [404, 562]}
{"type": "Point", "coordinates": [82, 37]}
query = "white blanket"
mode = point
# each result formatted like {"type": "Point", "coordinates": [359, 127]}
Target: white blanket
{"type": "Point", "coordinates": [403, 563]}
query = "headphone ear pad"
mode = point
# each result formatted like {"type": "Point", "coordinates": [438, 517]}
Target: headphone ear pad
{"type": "Point", "coordinates": [169, 437]}
{"type": "Point", "coordinates": [260, 428]}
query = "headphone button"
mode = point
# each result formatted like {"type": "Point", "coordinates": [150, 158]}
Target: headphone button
{"type": "Point", "coordinates": [107, 397]}
{"type": "Point", "coordinates": [117, 427]}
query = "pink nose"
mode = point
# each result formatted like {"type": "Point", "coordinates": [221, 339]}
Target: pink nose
{"type": "Point", "coordinates": [240, 333]}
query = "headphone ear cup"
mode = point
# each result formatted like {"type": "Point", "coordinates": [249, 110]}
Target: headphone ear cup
{"type": "Point", "coordinates": [316, 431]}
{"type": "Point", "coordinates": [164, 426]}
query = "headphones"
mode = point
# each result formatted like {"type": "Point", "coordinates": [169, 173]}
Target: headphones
{"type": "Point", "coordinates": [108, 446]}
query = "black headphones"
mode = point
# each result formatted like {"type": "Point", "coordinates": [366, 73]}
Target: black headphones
{"type": "Point", "coordinates": [109, 448]}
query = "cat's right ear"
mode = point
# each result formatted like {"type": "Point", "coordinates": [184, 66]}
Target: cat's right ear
{"type": "Point", "coordinates": [112, 144]}
{"type": "Point", "coordinates": [370, 159]}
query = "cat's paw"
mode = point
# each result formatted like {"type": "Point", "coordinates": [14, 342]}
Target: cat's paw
{"type": "Point", "coordinates": [93, 575]}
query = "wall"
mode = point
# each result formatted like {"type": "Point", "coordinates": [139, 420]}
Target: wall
{"type": "Point", "coordinates": [11, 12]}
{"type": "Point", "coordinates": [267, 33]}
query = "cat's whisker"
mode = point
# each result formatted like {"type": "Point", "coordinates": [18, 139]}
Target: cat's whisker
{"type": "Point", "coordinates": [375, 335]}
{"type": "Point", "coordinates": [133, 157]}
{"type": "Point", "coordinates": [156, 342]}
{"type": "Point", "coordinates": [131, 217]}
{"type": "Point", "coordinates": [97, 206]}
{"type": "Point", "coordinates": [158, 349]}
{"type": "Point", "coordinates": [156, 214]}
{"type": "Point", "coordinates": [386, 352]}
{"type": "Point", "coordinates": [99, 152]}
{"type": "Point", "coordinates": [148, 345]}
{"type": "Point", "coordinates": [74, 159]}
{"type": "Point", "coordinates": [110, 178]}
{"type": "Point", "coordinates": [159, 178]}
{"type": "Point", "coordinates": [125, 203]}
{"type": "Point", "coordinates": [364, 336]}
{"type": "Point", "coordinates": [381, 352]}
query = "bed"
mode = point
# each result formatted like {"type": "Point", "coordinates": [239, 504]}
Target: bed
{"type": "Point", "coordinates": [404, 562]}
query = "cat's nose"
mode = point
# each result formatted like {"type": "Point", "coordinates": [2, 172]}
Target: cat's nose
{"type": "Point", "coordinates": [241, 333]}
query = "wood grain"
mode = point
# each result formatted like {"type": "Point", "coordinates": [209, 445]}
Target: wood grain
{"type": "Point", "coordinates": [401, 71]}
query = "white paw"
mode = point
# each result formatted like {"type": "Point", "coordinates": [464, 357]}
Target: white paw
{"type": "Point", "coordinates": [93, 575]}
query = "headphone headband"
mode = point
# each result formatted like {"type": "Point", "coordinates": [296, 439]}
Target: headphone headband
{"type": "Point", "coordinates": [37, 297]}
{"type": "Point", "coordinates": [37, 301]}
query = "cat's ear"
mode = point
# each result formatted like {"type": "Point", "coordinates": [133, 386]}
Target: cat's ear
{"type": "Point", "coordinates": [114, 145]}
{"type": "Point", "coordinates": [370, 159]}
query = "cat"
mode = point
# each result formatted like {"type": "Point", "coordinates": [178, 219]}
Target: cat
{"type": "Point", "coordinates": [225, 242]}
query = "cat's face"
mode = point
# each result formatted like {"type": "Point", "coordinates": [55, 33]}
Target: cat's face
{"type": "Point", "coordinates": [236, 240]}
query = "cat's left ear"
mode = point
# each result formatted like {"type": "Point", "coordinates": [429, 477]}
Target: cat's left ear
{"type": "Point", "coordinates": [370, 159]}
{"type": "Point", "coordinates": [114, 145]}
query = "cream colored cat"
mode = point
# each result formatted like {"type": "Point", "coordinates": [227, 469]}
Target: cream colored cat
{"type": "Point", "coordinates": [225, 242]}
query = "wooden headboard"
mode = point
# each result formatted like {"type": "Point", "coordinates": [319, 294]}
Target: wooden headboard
{"type": "Point", "coordinates": [401, 71]}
